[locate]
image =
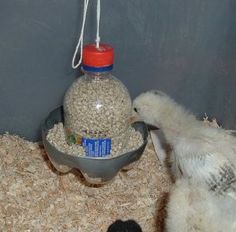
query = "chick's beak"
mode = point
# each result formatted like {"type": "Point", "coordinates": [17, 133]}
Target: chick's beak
{"type": "Point", "coordinates": [151, 127]}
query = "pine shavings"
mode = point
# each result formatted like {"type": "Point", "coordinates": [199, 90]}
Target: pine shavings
{"type": "Point", "coordinates": [34, 197]}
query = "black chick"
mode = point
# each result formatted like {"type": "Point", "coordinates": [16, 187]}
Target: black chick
{"type": "Point", "coordinates": [124, 226]}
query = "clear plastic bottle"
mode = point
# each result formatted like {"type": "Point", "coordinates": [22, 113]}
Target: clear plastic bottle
{"type": "Point", "coordinates": [97, 107]}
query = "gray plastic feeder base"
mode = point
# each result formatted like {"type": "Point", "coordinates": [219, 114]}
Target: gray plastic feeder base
{"type": "Point", "coordinates": [95, 170]}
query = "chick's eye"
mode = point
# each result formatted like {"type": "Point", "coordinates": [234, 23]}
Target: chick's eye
{"type": "Point", "coordinates": [135, 109]}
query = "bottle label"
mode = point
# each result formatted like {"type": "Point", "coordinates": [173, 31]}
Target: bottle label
{"type": "Point", "coordinates": [97, 147]}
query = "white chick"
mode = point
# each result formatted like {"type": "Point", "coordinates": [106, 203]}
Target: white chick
{"type": "Point", "coordinates": [192, 208]}
{"type": "Point", "coordinates": [202, 153]}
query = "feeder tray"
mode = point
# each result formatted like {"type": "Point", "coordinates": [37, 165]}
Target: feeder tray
{"type": "Point", "coordinates": [95, 170]}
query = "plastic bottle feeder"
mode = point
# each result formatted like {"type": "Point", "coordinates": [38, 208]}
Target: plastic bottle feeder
{"type": "Point", "coordinates": [96, 115]}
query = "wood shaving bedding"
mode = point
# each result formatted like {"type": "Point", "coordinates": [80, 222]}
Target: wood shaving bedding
{"type": "Point", "coordinates": [34, 197]}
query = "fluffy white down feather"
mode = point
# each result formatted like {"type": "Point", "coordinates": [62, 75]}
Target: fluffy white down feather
{"type": "Point", "coordinates": [202, 153]}
{"type": "Point", "coordinates": [192, 208]}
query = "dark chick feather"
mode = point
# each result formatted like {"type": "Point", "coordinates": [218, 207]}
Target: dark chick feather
{"type": "Point", "coordinates": [225, 179]}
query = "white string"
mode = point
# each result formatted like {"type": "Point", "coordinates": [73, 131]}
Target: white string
{"type": "Point", "coordinates": [98, 23]}
{"type": "Point", "coordinates": [81, 38]}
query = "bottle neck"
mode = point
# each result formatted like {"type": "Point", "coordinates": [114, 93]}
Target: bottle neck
{"type": "Point", "coordinates": [97, 74]}
{"type": "Point", "coordinates": [100, 70]}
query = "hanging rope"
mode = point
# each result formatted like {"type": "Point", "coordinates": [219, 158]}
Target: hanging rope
{"type": "Point", "coordinates": [81, 38]}
{"type": "Point", "coordinates": [98, 23]}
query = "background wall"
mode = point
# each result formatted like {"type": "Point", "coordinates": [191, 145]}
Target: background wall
{"type": "Point", "coordinates": [185, 48]}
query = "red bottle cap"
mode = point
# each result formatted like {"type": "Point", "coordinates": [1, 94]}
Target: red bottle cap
{"type": "Point", "coordinates": [98, 57]}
